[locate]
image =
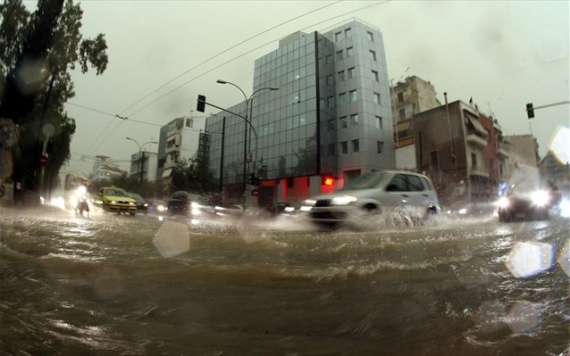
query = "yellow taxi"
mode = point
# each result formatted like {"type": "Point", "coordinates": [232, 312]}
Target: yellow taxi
{"type": "Point", "coordinates": [115, 200]}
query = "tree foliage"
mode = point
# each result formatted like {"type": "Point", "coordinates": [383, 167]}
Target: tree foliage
{"type": "Point", "coordinates": [194, 176]}
{"type": "Point", "coordinates": [37, 53]}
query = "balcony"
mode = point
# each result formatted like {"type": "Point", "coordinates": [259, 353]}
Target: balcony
{"type": "Point", "coordinates": [478, 171]}
{"type": "Point", "coordinates": [476, 140]}
{"type": "Point", "coordinates": [503, 153]}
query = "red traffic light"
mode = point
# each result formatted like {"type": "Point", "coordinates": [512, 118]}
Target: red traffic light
{"type": "Point", "coordinates": [327, 180]}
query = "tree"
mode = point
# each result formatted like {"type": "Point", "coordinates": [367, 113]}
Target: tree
{"type": "Point", "coordinates": [44, 46]}
{"type": "Point", "coordinates": [193, 175]}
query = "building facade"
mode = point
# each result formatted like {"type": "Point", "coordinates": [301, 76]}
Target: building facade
{"type": "Point", "coordinates": [412, 96]}
{"type": "Point", "coordinates": [179, 139]}
{"type": "Point", "coordinates": [144, 166]}
{"type": "Point", "coordinates": [459, 148]}
{"type": "Point", "coordinates": [330, 117]}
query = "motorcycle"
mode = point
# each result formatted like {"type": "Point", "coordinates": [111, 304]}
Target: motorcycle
{"type": "Point", "coordinates": [82, 205]}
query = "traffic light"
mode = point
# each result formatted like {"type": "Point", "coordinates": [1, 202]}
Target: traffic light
{"type": "Point", "coordinates": [529, 110]}
{"type": "Point", "coordinates": [328, 181]}
{"type": "Point", "coordinates": [253, 180]}
{"type": "Point", "coordinates": [201, 105]}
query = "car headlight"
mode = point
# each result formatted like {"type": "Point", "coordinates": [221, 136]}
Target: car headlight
{"type": "Point", "coordinates": [503, 202]}
{"type": "Point", "coordinates": [310, 202]}
{"type": "Point", "coordinates": [343, 200]}
{"type": "Point", "coordinates": [132, 204]}
{"type": "Point", "coordinates": [540, 197]}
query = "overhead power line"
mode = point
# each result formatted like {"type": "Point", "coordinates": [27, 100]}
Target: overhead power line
{"type": "Point", "coordinates": [233, 59]}
{"type": "Point", "coordinates": [219, 54]}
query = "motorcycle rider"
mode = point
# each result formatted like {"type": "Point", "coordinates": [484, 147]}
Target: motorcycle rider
{"type": "Point", "coordinates": [82, 205]}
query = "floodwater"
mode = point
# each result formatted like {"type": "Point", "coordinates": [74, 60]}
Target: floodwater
{"type": "Point", "coordinates": [121, 285]}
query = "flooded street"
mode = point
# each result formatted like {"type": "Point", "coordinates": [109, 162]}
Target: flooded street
{"type": "Point", "coordinates": [115, 284]}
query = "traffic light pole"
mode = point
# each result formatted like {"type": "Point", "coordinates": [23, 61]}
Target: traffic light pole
{"type": "Point", "coordinates": [201, 103]}
{"type": "Point", "coordinates": [530, 108]}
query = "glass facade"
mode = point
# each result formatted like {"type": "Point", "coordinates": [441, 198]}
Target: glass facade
{"type": "Point", "coordinates": [331, 87]}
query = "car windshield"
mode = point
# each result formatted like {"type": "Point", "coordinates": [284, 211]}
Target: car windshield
{"type": "Point", "coordinates": [136, 197]}
{"type": "Point", "coordinates": [367, 181]}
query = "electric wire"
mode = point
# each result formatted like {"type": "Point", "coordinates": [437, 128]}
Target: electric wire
{"type": "Point", "coordinates": [243, 54]}
{"type": "Point", "coordinates": [123, 118]}
{"type": "Point", "coordinates": [225, 51]}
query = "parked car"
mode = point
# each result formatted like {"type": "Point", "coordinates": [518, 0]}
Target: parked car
{"type": "Point", "coordinates": [526, 200]}
{"type": "Point", "coordinates": [115, 200]}
{"type": "Point", "coordinates": [379, 192]}
{"type": "Point", "coordinates": [157, 206]}
{"type": "Point", "coordinates": [142, 205]}
{"type": "Point", "coordinates": [179, 203]}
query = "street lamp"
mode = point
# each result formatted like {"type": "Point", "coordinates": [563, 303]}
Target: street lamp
{"type": "Point", "coordinates": [141, 154]}
{"type": "Point", "coordinates": [247, 122]}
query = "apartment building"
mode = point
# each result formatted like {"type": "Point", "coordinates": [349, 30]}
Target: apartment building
{"type": "Point", "coordinates": [462, 150]}
{"type": "Point", "coordinates": [179, 139]}
{"type": "Point", "coordinates": [330, 118]}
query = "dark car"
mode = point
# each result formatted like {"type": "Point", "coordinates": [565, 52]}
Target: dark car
{"type": "Point", "coordinates": [525, 201]}
{"type": "Point", "coordinates": [157, 206]}
{"type": "Point", "coordinates": [142, 205]}
{"type": "Point", "coordinates": [179, 203]}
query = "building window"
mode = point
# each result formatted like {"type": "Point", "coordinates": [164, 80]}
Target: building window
{"type": "Point", "coordinates": [349, 52]}
{"type": "Point", "coordinates": [401, 97]}
{"type": "Point", "coordinates": [355, 146]}
{"type": "Point", "coordinates": [350, 73]}
{"type": "Point", "coordinates": [330, 79]}
{"type": "Point", "coordinates": [373, 55]}
{"type": "Point", "coordinates": [434, 160]}
{"type": "Point", "coordinates": [376, 98]}
{"type": "Point", "coordinates": [379, 123]}
{"type": "Point", "coordinates": [339, 55]}
{"type": "Point", "coordinates": [331, 124]}
{"type": "Point", "coordinates": [354, 119]}
{"type": "Point", "coordinates": [379, 146]}
{"type": "Point", "coordinates": [344, 147]}
{"type": "Point", "coordinates": [342, 98]}
{"type": "Point", "coordinates": [331, 149]}
{"type": "Point", "coordinates": [190, 123]}
{"type": "Point", "coordinates": [343, 122]}
{"type": "Point", "coordinates": [347, 33]}
{"type": "Point", "coordinates": [353, 96]}
{"type": "Point", "coordinates": [370, 36]}
{"type": "Point", "coordinates": [341, 76]}
{"type": "Point", "coordinates": [402, 114]}
{"type": "Point", "coordinates": [338, 36]}
{"type": "Point", "coordinates": [330, 102]}
{"type": "Point", "coordinates": [375, 75]}
{"type": "Point", "coordinates": [473, 159]}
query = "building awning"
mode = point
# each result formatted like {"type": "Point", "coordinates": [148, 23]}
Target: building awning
{"type": "Point", "coordinates": [477, 126]}
{"type": "Point", "coordinates": [167, 173]}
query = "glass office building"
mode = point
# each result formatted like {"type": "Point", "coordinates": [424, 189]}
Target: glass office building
{"type": "Point", "coordinates": [330, 117]}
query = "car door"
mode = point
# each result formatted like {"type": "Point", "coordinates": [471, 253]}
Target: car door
{"type": "Point", "coordinates": [396, 194]}
{"type": "Point", "coordinates": [418, 196]}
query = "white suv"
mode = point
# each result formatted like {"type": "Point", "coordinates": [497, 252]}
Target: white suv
{"type": "Point", "coordinates": [379, 192]}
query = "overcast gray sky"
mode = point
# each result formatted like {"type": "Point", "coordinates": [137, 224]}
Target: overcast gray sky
{"type": "Point", "coordinates": [162, 54]}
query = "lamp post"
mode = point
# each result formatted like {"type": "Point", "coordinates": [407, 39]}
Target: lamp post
{"type": "Point", "coordinates": [248, 111]}
{"type": "Point", "coordinates": [141, 154]}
